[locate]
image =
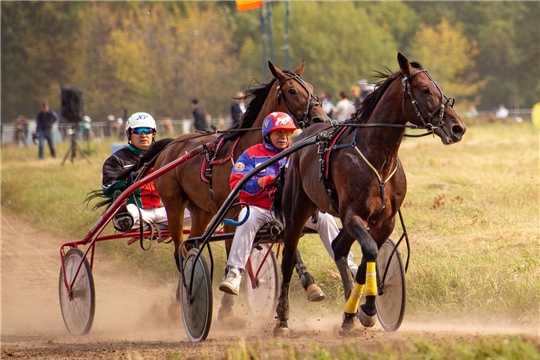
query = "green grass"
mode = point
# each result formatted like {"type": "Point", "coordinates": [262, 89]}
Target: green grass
{"type": "Point", "coordinates": [472, 214]}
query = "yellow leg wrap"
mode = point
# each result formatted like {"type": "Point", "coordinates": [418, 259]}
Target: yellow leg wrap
{"type": "Point", "coordinates": [354, 299]}
{"type": "Point", "coordinates": [371, 279]}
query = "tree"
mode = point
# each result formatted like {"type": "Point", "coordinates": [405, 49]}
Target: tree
{"type": "Point", "coordinates": [449, 57]}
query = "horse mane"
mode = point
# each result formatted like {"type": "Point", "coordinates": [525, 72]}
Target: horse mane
{"type": "Point", "coordinates": [258, 97]}
{"type": "Point", "coordinates": [147, 161]}
{"type": "Point", "coordinates": [371, 101]}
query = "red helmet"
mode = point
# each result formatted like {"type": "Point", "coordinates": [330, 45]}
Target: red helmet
{"type": "Point", "coordinates": [277, 121]}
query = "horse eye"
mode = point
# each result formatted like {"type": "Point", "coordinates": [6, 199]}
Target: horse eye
{"type": "Point", "coordinates": [292, 91]}
{"type": "Point", "coordinates": [425, 91]}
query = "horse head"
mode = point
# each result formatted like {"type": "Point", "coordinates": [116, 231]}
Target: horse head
{"type": "Point", "coordinates": [427, 105]}
{"type": "Point", "coordinates": [297, 96]}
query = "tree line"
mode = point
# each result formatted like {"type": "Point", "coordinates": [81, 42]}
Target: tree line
{"type": "Point", "coordinates": [157, 56]}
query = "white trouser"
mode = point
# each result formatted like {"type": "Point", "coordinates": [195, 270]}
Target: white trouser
{"type": "Point", "coordinates": [153, 216]}
{"type": "Point", "coordinates": [243, 238]}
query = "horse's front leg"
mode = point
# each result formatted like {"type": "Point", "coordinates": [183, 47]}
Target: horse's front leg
{"type": "Point", "coordinates": [365, 281]}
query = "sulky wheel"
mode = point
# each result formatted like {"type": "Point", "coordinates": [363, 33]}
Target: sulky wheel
{"type": "Point", "coordinates": [392, 296]}
{"type": "Point", "coordinates": [78, 313]}
{"type": "Point", "coordinates": [196, 302]}
{"type": "Point", "coordinates": [262, 290]}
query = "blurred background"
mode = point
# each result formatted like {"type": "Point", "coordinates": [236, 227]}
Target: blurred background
{"type": "Point", "coordinates": [157, 56]}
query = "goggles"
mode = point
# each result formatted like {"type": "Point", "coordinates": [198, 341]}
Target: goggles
{"type": "Point", "coordinates": [142, 130]}
{"type": "Point", "coordinates": [282, 132]}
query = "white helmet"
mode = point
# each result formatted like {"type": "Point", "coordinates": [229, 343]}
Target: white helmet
{"type": "Point", "coordinates": [139, 119]}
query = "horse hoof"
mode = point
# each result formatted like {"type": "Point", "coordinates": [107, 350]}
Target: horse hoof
{"type": "Point", "coordinates": [365, 319]}
{"type": "Point", "coordinates": [348, 322]}
{"type": "Point", "coordinates": [282, 332]}
{"type": "Point", "coordinates": [314, 293]}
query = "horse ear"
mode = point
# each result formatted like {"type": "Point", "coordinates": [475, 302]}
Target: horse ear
{"type": "Point", "coordinates": [404, 64]}
{"type": "Point", "coordinates": [278, 74]}
{"type": "Point", "coordinates": [300, 69]}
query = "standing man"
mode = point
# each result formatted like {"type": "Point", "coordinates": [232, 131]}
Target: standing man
{"type": "Point", "coordinates": [44, 123]}
{"type": "Point", "coordinates": [238, 108]}
{"type": "Point", "coordinates": [199, 121]}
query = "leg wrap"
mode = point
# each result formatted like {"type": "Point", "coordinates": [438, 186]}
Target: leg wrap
{"type": "Point", "coordinates": [371, 280]}
{"type": "Point", "coordinates": [351, 307]}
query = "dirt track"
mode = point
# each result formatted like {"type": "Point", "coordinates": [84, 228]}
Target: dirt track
{"type": "Point", "coordinates": [132, 318]}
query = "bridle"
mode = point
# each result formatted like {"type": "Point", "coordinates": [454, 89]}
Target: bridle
{"type": "Point", "coordinates": [427, 123]}
{"type": "Point", "coordinates": [302, 121]}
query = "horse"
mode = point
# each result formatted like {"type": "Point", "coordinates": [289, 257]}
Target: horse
{"type": "Point", "coordinates": [356, 175]}
{"type": "Point", "coordinates": [202, 184]}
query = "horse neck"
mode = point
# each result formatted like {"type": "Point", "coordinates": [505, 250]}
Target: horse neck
{"type": "Point", "coordinates": [254, 137]}
{"type": "Point", "coordinates": [382, 143]}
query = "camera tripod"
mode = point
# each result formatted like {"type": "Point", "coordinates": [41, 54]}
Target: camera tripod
{"type": "Point", "coordinates": [74, 148]}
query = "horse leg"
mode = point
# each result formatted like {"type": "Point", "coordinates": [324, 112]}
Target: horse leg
{"type": "Point", "coordinates": [313, 291]}
{"type": "Point", "coordinates": [341, 247]}
{"type": "Point", "coordinates": [365, 278]}
{"type": "Point", "coordinates": [291, 237]}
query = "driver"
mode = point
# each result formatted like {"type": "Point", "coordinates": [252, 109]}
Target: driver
{"type": "Point", "coordinates": [276, 132]}
{"type": "Point", "coordinates": [145, 202]}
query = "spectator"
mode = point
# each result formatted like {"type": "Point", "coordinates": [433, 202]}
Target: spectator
{"type": "Point", "coordinates": [168, 126]}
{"type": "Point", "coordinates": [276, 132]}
{"type": "Point", "coordinates": [356, 92]}
{"type": "Point", "coordinates": [238, 108]}
{"type": "Point", "coordinates": [344, 108]}
{"type": "Point", "coordinates": [44, 124]}
{"type": "Point", "coordinates": [502, 111]}
{"type": "Point", "coordinates": [363, 91]}
{"type": "Point", "coordinates": [326, 103]}
{"type": "Point", "coordinates": [109, 129]}
{"type": "Point", "coordinates": [472, 113]}
{"type": "Point", "coordinates": [21, 131]}
{"type": "Point", "coordinates": [199, 116]}
{"type": "Point", "coordinates": [86, 128]}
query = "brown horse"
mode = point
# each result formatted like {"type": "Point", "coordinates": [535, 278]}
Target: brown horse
{"type": "Point", "coordinates": [356, 175]}
{"type": "Point", "coordinates": [202, 183]}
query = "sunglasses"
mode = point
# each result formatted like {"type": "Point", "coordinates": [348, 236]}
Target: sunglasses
{"type": "Point", "coordinates": [142, 130]}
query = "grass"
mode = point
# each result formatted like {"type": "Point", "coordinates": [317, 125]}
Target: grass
{"type": "Point", "coordinates": [472, 214]}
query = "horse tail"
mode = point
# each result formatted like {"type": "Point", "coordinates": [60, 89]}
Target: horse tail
{"type": "Point", "coordinates": [98, 194]}
{"type": "Point", "coordinates": [277, 205]}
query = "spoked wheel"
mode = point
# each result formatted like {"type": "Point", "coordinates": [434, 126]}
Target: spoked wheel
{"type": "Point", "coordinates": [391, 303]}
{"type": "Point", "coordinates": [78, 313]}
{"type": "Point", "coordinates": [262, 290]}
{"type": "Point", "coordinates": [196, 302]}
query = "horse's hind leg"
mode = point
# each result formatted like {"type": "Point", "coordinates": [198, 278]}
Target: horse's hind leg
{"type": "Point", "coordinates": [314, 292]}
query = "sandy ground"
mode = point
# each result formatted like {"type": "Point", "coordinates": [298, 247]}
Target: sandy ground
{"type": "Point", "coordinates": [132, 318]}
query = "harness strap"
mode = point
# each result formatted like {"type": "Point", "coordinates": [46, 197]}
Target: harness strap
{"type": "Point", "coordinates": [382, 184]}
{"type": "Point", "coordinates": [208, 162]}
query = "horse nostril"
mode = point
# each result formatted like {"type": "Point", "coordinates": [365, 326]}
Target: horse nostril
{"type": "Point", "coordinates": [458, 130]}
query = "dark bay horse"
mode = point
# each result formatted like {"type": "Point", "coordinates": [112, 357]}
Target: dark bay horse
{"type": "Point", "coordinates": [356, 175]}
{"type": "Point", "coordinates": [202, 183]}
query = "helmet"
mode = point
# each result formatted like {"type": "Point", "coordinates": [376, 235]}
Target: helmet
{"type": "Point", "coordinates": [277, 121]}
{"type": "Point", "coordinates": [87, 118]}
{"type": "Point", "coordinates": [139, 119]}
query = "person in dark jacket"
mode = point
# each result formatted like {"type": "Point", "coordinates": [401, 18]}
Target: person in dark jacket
{"type": "Point", "coordinates": [145, 202]}
{"type": "Point", "coordinates": [44, 124]}
{"type": "Point", "coordinates": [199, 116]}
{"type": "Point", "coordinates": [238, 108]}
